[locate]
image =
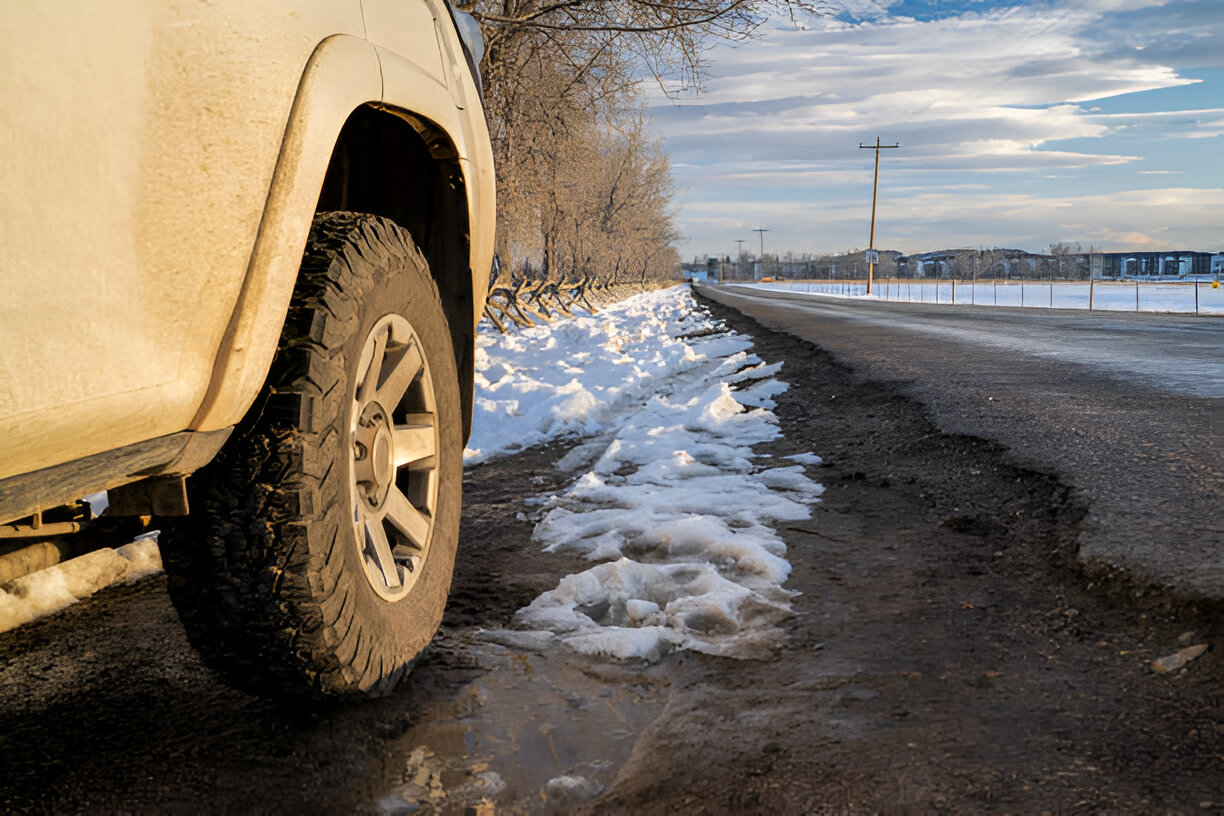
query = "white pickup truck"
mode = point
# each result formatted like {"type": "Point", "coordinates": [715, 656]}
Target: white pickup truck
{"type": "Point", "coordinates": [243, 250]}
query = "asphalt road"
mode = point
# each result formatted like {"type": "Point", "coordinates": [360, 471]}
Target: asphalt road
{"type": "Point", "coordinates": [1127, 409]}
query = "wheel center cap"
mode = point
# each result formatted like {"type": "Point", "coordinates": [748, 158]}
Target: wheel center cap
{"type": "Point", "coordinates": [374, 454]}
{"type": "Point", "coordinates": [383, 452]}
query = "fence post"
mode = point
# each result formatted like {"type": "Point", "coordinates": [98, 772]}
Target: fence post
{"type": "Point", "coordinates": [1021, 293]}
{"type": "Point", "coordinates": [954, 291]}
{"type": "Point", "coordinates": [996, 291]}
{"type": "Point", "coordinates": [1196, 283]}
{"type": "Point", "coordinates": [1136, 294]}
{"type": "Point", "coordinates": [1051, 294]}
{"type": "Point", "coordinates": [1091, 291]}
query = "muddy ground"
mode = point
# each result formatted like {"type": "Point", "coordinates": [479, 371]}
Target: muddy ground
{"type": "Point", "coordinates": [945, 655]}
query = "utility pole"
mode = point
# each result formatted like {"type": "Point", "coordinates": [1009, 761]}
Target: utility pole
{"type": "Point", "coordinates": [762, 231]}
{"type": "Point", "coordinates": [875, 187]}
{"type": "Point", "coordinates": [739, 254]}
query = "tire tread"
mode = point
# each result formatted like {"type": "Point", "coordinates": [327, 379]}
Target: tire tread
{"type": "Point", "coordinates": [262, 586]}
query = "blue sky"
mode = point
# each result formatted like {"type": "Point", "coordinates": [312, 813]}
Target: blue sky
{"type": "Point", "coordinates": [1021, 124]}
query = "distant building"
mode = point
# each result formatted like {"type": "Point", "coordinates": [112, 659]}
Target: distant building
{"type": "Point", "coordinates": [1177, 263]}
{"type": "Point", "coordinates": [999, 262]}
{"type": "Point", "coordinates": [1016, 263]}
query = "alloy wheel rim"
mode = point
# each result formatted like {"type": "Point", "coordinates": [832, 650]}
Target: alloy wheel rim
{"type": "Point", "coordinates": [393, 440]}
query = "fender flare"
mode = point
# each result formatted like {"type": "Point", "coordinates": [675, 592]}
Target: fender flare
{"type": "Point", "coordinates": [343, 73]}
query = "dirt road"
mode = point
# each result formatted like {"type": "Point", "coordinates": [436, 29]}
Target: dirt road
{"type": "Point", "coordinates": [945, 655]}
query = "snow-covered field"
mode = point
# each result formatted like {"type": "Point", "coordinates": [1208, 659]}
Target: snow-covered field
{"type": "Point", "coordinates": [668, 501]}
{"type": "Point", "coordinates": [1108, 296]}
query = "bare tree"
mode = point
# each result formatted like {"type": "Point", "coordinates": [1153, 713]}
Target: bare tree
{"type": "Point", "coordinates": [668, 37]}
{"type": "Point", "coordinates": [1063, 255]}
{"type": "Point", "coordinates": [584, 191]}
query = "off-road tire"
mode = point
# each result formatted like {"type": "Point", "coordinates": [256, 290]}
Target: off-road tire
{"type": "Point", "coordinates": [268, 573]}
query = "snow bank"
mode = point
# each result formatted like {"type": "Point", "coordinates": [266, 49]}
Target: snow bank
{"type": "Point", "coordinates": [54, 588]}
{"type": "Point", "coordinates": [573, 378]}
{"type": "Point", "coordinates": [672, 499]}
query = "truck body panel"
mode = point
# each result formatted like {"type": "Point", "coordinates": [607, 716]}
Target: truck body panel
{"type": "Point", "coordinates": [175, 152]}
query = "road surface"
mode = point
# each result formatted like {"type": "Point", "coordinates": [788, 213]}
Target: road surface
{"type": "Point", "coordinates": [1125, 408]}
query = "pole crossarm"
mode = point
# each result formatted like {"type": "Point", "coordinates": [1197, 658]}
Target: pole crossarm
{"type": "Point", "coordinates": [875, 187]}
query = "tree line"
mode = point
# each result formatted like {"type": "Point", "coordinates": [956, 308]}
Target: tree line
{"type": "Point", "coordinates": [585, 193]}
{"type": "Point", "coordinates": [1062, 261]}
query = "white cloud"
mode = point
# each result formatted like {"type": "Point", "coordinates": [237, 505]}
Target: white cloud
{"type": "Point", "coordinates": [1013, 78]}
{"type": "Point", "coordinates": [1206, 130]}
{"type": "Point", "coordinates": [1115, 5]}
{"type": "Point", "coordinates": [972, 98]}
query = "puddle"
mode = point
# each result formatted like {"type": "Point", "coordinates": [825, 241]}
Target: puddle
{"type": "Point", "coordinates": [526, 732]}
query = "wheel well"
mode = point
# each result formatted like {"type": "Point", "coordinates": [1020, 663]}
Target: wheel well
{"type": "Point", "coordinates": [390, 163]}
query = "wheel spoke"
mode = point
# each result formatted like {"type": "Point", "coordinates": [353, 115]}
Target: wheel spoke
{"type": "Point", "coordinates": [377, 542]}
{"type": "Point", "coordinates": [406, 518]}
{"type": "Point", "coordinates": [394, 436]}
{"type": "Point", "coordinates": [369, 380]}
{"type": "Point", "coordinates": [413, 443]}
{"type": "Point", "coordinates": [406, 364]}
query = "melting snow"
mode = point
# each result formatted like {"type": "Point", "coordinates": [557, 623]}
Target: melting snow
{"type": "Point", "coordinates": [577, 376]}
{"type": "Point", "coordinates": [669, 503]}
{"type": "Point", "coordinates": [54, 588]}
{"type": "Point", "coordinates": [671, 499]}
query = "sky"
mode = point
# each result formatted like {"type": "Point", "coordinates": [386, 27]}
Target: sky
{"type": "Point", "coordinates": [1022, 123]}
